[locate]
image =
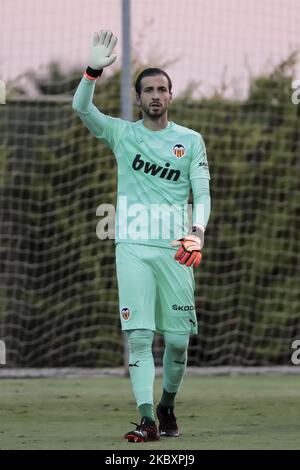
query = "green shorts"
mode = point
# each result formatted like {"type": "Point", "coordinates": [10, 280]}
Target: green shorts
{"type": "Point", "coordinates": [155, 291]}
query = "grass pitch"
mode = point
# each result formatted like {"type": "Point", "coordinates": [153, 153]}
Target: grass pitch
{"type": "Point", "coordinates": [253, 412]}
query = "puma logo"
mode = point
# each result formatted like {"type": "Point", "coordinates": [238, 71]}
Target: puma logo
{"type": "Point", "coordinates": [134, 365]}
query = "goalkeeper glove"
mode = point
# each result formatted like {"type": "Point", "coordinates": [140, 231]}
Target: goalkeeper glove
{"type": "Point", "coordinates": [188, 252]}
{"type": "Point", "coordinates": [101, 52]}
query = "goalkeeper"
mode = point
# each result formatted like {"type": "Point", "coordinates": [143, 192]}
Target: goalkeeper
{"type": "Point", "coordinates": [158, 163]}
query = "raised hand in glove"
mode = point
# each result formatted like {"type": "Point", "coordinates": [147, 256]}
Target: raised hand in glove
{"type": "Point", "coordinates": [101, 51]}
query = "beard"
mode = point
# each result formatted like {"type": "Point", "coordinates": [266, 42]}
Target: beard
{"type": "Point", "coordinates": [154, 112]}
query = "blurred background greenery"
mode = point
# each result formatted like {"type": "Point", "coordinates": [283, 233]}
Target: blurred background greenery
{"type": "Point", "coordinates": [59, 299]}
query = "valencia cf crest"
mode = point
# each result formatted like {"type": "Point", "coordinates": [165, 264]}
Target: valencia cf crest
{"type": "Point", "coordinates": [179, 150]}
{"type": "Point", "coordinates": [125, 312]}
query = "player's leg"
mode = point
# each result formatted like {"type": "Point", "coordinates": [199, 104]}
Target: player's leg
{"type": "Point", "coordinates": [137, 289]}
{"type": "Point", "coordinates": [176, 320]}
{"type": "Point", "coordinates": [141, 370]}
{"type": "Point", "coordinates": [142, 373]}
{"type": "Point", "coordinates": [175, 300]}
{"type": "Point", "coordinates": [174, 366]}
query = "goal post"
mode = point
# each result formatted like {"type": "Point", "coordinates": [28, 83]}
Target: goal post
{"type": "Point", "coordinates": [126, 100]}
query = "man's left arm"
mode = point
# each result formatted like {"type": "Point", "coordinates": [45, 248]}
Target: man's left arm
{"type": "Point", "coordinates": [189, 246]}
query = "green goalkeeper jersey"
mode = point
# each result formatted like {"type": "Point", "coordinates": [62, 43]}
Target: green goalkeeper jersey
{"type": "Point", "coordinates": [156, 170]}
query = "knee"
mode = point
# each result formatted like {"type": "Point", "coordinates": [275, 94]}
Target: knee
{"type": "Point", "coordinates": [177, 344]}
{"type": "Point", "coordinates": [140, 341]}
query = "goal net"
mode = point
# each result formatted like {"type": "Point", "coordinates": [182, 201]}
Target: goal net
{"type": "Point", "coordinates": [233, 65]}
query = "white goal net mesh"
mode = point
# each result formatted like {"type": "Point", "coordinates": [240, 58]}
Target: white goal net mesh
{"type": "Point", "coordinates": [233, 64]}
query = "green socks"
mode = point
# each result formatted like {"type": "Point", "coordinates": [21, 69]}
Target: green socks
{"type": "Point", "coordinates": [147, 410]}
{"type": "Point", "coordinates": [167, 399]}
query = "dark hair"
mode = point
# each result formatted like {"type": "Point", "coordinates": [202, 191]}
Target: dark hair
{"type": "Point", "coordinates": [151, 72]}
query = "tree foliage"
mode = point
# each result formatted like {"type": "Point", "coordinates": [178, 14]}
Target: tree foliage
{"type": "Point", "coordinates": [59, 295]}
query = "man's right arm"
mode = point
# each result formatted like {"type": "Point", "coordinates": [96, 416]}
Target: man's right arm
{"type": "Point", "coordinates": [93, 119]}
{"type": "Point", "coordinates": [100, 125]}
